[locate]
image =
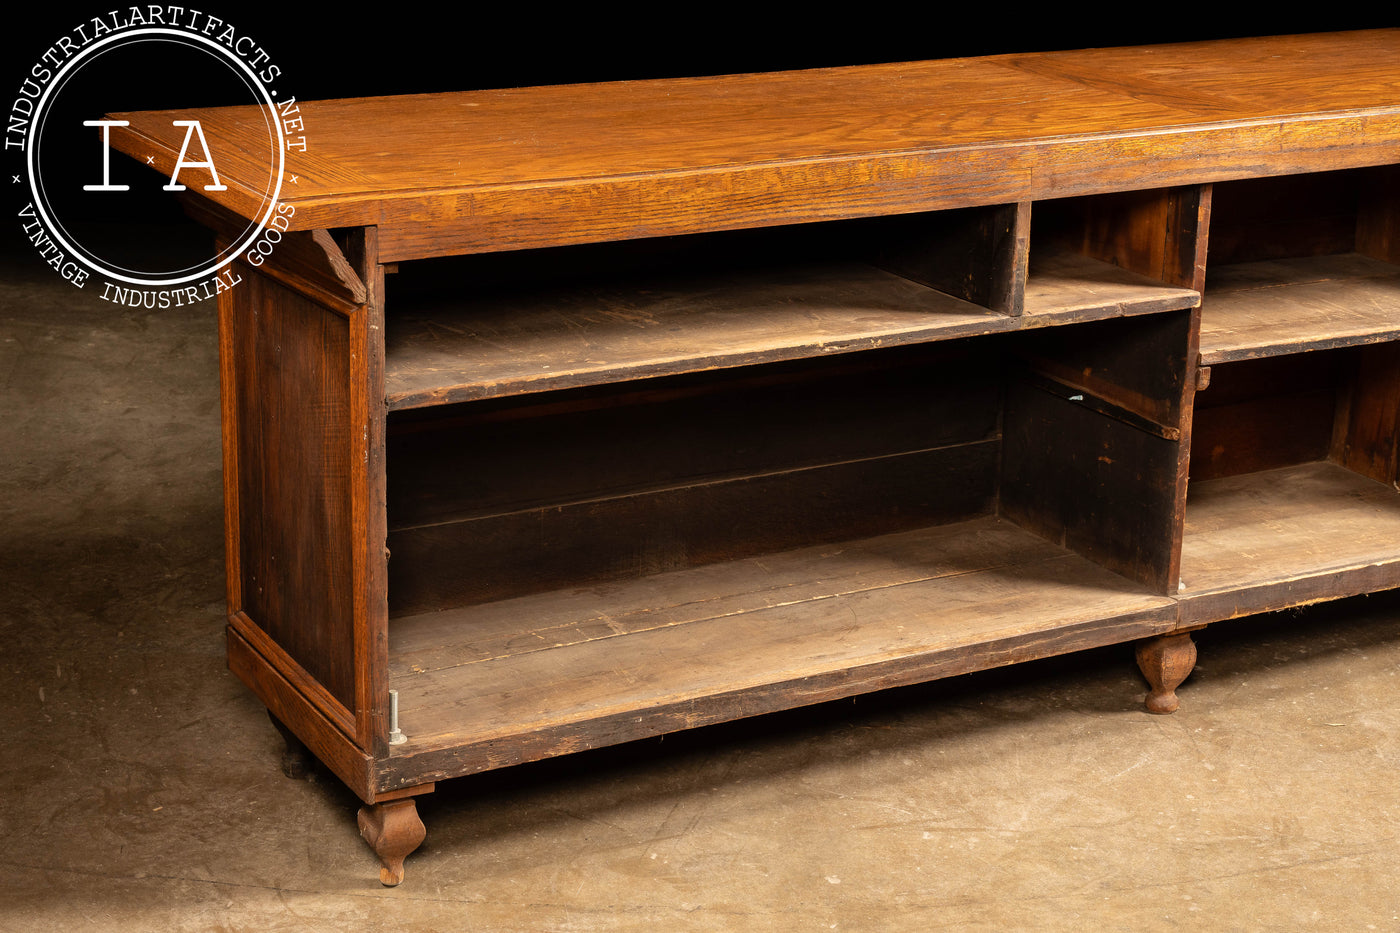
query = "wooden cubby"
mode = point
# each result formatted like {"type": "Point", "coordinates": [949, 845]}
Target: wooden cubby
{"type": "Point", "coordinates": [1301, 263]}
{"type": "Point", "coordinates": [1294, 449]}
{"type": "Point", "coordinates": [1134, 252]}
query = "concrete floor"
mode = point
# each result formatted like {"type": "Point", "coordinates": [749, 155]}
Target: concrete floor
{"type": "Point", "coordinates": [140, 790]}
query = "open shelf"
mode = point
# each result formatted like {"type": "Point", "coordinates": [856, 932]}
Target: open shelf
{"type": "Point", "coordinates": [455, 350]}
{"type": "Point", "coordinates": [1284, 537]}
{"type": "Point", "coordinates": [535, 321]}
{"type": "Point", "coordinates": [1302, 263]}
{"type": "Point", "coordinates": [504, 497]}
{"type": "Point", "coordinates": [1065, 287]}
{"type": "Point", "coordinates": [523, 677]}
{"type": "Point", "coordinates": [462, 350]}
{"type": "Point", "coordinates": [1272, 307]}
{"type": "Point", "coordinates": [604, 563]}
{"type": "Point", "coordinates": [1114, 255]}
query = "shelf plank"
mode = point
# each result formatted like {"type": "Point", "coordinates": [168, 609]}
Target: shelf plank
{"type": "Point", "coordinates": [470, 349]}
{"type": "Point", "coordinates": [440, 352]}
{"type": "Point", "coordinates": [1285, 537]}
{"type": "Point", "coordinates": [1064, 287]}
{"type": "Point", "coordinates": [535, 676]}
{"type": "Point", "coordinates": [1273, 307]}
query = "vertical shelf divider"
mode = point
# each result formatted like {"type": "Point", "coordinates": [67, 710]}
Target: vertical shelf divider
{"type": "Point", "coordinates": [1096, 447]}
{"type": "Point", "coordinates": [977, 254]}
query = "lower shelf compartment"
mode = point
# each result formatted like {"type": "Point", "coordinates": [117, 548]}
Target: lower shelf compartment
{"type": "Point", "coordinates": [1280, 538]}
{"type": "Point", "coordinates": [527, 678]}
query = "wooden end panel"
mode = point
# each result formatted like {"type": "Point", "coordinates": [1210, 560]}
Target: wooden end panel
{"type": "Point", "coordinates": [290, 705]}
{"type": "Point", "coordinates": [287, 410]}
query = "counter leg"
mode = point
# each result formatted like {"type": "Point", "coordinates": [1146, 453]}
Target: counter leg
{"type": "Point", "coordinates": [393, 830]}
{"type": "Point", "coordinates": [296, 757]}
{"type": "Point", "coordinates": [1165, 661]}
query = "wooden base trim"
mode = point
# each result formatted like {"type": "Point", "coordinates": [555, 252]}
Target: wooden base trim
{"type": "Point", "coordinates": [323, 737]}
{"type": "Point", "coordinates": [1289, 594]}
{"type": "Point", "coordinates": [296, 675]}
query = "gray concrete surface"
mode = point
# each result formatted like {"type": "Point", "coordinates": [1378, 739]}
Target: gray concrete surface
{"type": "Point", "coordinates": [140, 791]}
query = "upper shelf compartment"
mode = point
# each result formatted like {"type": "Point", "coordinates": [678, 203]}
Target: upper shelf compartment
{"type": "Point", "coordinates": [1115, 255]}
{"type": "Point", "coordinates": [1301, 263]}
{"type": "Point", "coordinates": [497, 325]}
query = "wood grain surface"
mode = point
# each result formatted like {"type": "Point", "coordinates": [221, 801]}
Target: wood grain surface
{"type": "Point", "coordinates": [478, 170]}
{"type": "Point", "coordinates": [288, 422]}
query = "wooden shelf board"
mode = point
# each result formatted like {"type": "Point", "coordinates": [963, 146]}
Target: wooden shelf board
{"type": "Point", "coordinates": [494, 347]}
{"type": "Point", "coordinates": [1065, 287]}
{"type": "Point", "coordinates": [553, 339]}
{"type": "Point", "coordinates": [532, 676]}
{"type": "Point", "coordinates": [1279, 538]}
{"type": "Point", "coordinates": [1273, 307]}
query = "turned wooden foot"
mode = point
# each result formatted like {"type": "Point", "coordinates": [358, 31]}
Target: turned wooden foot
{"type": "Point", "coordinates": [1165, 661]}
{"type": "Point", "coordinates": [297, 760]}
{"type": "Point", "coordinates": [393, 830]}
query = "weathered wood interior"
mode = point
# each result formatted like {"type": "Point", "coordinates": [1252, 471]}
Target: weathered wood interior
{"type": "Point", "coordinates": [663, 513]}
{"type": "Point", "coordinates": [606, 664]}
{"type": "Point", "coordinates": [1302, 262]}
{"type": "Point", "coordinates": [575, 487]}
{"type": "Point", "coordinates": [1293, 456]}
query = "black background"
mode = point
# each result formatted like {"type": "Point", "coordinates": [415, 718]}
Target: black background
{"type": "Point", "coordinates": [399, 48]}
